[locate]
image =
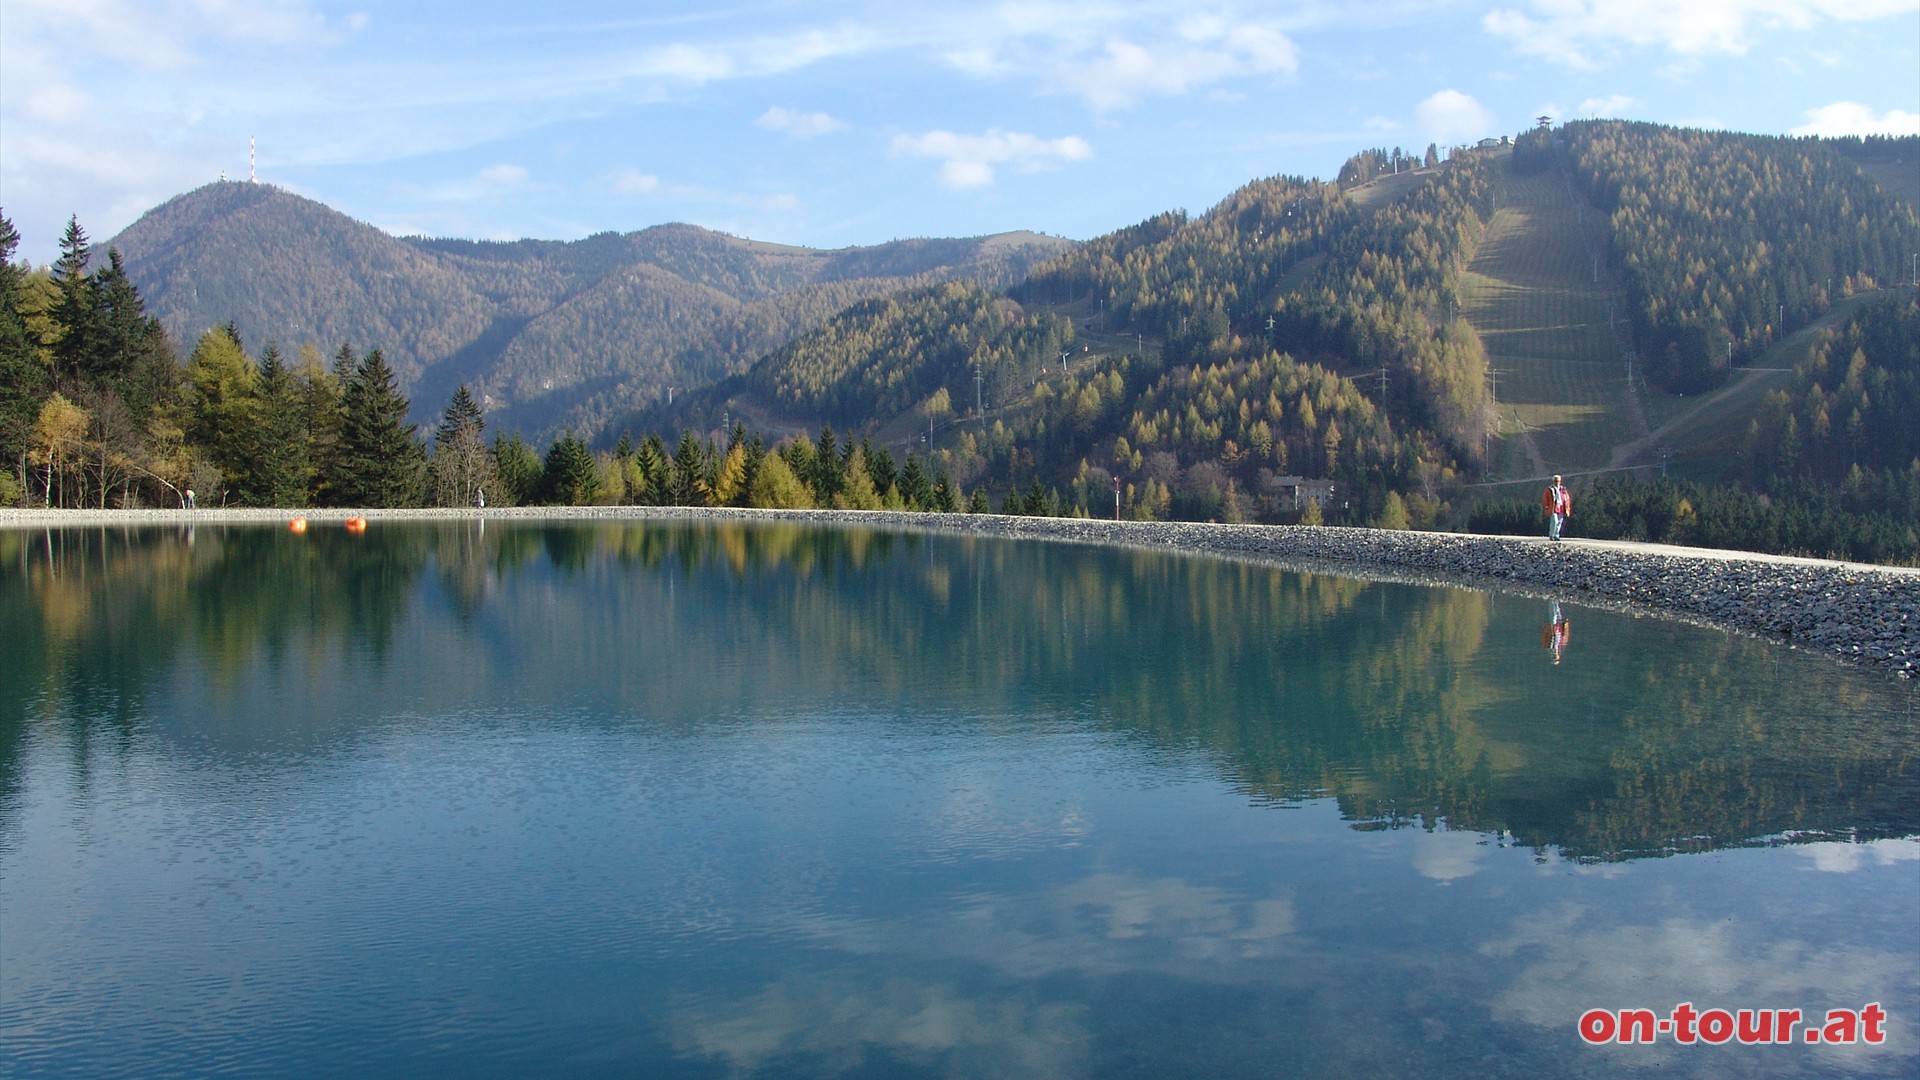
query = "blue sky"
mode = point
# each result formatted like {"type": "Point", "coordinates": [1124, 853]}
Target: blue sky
{"type": "Point", "coordinates": [828, 123]}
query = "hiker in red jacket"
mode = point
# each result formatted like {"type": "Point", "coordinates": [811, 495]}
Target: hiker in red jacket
{"type": "Point", "coordinates": [1557, 501]}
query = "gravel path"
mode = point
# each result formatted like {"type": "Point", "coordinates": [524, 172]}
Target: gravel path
{"type": "Point", "coordinates": [1867, 615]}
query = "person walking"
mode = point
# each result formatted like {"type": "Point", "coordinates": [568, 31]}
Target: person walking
{"type": "Point", "coordinates": [1557, 501]}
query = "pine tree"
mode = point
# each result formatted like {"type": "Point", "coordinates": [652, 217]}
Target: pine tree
{"type": "Point", "coordinates": [282, 452]}
{"type": "Point", "coordinates": [462, 471]}
{"type": "Point", "coordinates": [24, 380]}
{"type": "Point", "coordinates": [945, 499]}
{"type": "Point", "coordinates": [518, 468]}
{"type": "Point", "coordinates": [571, 476]}
{"type": "Point", "coordinates": [75, 308]}
{"type": "Point", "coordinates": [686, 483]}
{"type": "Point", "coordinates": [130, 354]}
{"type": "Point", "coordinates": [381, 463]}
{"type": "Point", "coordinates": [913, 485]}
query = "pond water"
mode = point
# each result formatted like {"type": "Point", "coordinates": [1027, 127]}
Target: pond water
{"type": "Point", "coordinates": [678, 800]}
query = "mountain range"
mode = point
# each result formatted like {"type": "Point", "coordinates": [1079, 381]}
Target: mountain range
{"type": "Point", "coordinates": [547, 335]}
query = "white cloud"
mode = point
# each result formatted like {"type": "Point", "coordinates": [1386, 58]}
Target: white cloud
{"type": "Point", "coordinates": [168, 35]}
{"type": "Point", "coordinates": [1451, 116]}
{"type": "Point", "coordinates": [503, 176]}
{"type": "Point", "coordinates": [1853, 118]}
{"type": "Point", "coordinates": [798, 124]}
{"type": "Point", "coordinates": [635, 182]}
{"type": "Point", "coordinates": [1845, 858]}
{"type": "Point", "coordinates": [1580, 32]}
{"type": "Point", "coordinates": [1205, 52]}
{"type": "Point", "coordinates": [969, 160]}
{"type": "Point", "coordinates": [1613, 105]}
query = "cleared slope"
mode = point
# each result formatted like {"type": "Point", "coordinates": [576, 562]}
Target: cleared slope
{"type": "Point", "coordinates": [1539, 294]}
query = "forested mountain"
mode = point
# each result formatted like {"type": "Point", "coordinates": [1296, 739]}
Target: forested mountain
{"type": "Point", "coordinates": [1727, 242]}
{"type": "Point", "coordinates": [548, 335]}
{"type": "Point", "coordinates": [1302, 351]}
{"type": "Point", "coordinates": [1202, 366]}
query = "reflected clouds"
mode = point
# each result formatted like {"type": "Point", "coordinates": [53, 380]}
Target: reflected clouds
{"type": "Point", "coordinates": [837, 1024]}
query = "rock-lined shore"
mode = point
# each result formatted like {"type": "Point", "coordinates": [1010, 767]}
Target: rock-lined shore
{"type": "Point", "coordinates": [1867, 615]}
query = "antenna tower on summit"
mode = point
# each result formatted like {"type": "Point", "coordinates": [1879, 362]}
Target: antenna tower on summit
{"type": "Point", "coordinates": [253, 175]}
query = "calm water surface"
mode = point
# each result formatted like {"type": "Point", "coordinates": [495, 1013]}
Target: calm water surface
{"type": "Point", "coordinates": [648, 800]}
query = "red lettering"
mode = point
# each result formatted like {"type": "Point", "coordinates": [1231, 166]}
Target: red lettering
{"type": "Point", "coordinates": [1683, 1016]}
{"type": "Point", "coordinates": [1784, 1022]}
{"type": "Point", "coordinates": [1873, 1017]}
{"type": "Point", "coordinates": [1843, 1026]}
{"type": "Point", "coordinates": [1756, 1026]}
{"type": "Point", "coordinates": [1716, 1026]}
{"type": "Point", "coordinates": [1637, 1026]}
{"type": "Point", "coordinates": [1597, 1026]}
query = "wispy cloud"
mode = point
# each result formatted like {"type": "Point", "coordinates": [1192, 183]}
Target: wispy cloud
{"type": "Point", "coordinates": [968, 160]}
{"type": "Point", "coordinates": [1204, 52]}
{"type": "Point", "coordinates": [634, 182]}
{"type": "Point", "coordinates": [800, 125]}
{"type": "Point", "coordinates": [1853, 118]}
{"type": "Point", "coordinates": [1583, 33]}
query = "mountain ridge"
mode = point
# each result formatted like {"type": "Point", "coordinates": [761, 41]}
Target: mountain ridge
{"type": "Point", "coordinates": [552, 335]}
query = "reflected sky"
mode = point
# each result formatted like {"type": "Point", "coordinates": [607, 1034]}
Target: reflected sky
{"type": "Point", "coordinates": [801, 802]}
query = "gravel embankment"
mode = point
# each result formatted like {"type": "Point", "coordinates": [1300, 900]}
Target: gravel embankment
{"type": "Point", "coordinates": [1868, 615]}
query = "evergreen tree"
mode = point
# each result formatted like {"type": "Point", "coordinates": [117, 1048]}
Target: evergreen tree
{"type": "Point", "coordinates": [518, 468]}
{"type": "Point", "coordinates": [914, 487]}
{"type": "Point", "coordinates": [75, 307]}
{"type": "Point", "coordinates": [462, 471]}
{"type": "Point", "coordinates": [945, 500]}
{"type": "Point", "coordinates": [571, 476]}
{"type": "Point", "coordinates": [686, 483]}
{"type": "Point", "coordinates": [381, 463]}
{"type": "Point", "coordinates": [282, 455]}
{"type": "Point", "coordinates": [24, 379]}
{"type": "Point", "coordinates": [129, 354]}
{"type": "Point", "coordinates": [321, 390]}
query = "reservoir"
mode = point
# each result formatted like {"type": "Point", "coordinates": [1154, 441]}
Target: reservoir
{"type": "Point", "coordinates": [634, 798]}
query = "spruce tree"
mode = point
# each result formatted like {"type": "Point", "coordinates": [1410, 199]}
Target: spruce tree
{"type": "Point", "coordinates": [381, 464]}
{"type": "Point", "coordinates": [282, 451]}
{"type": "Point", "coordinates": [518, 468]}
{"type": "Point", "coordinates": [462, 469]}
{"type": "Point", "coordinates": [75, 308]}
{"type": "Point", "coordinates": [571, 476]}
{"type": "Point", "coordinates": [24, 379]}
{"type": "Point", "coordinates": [687, 485]}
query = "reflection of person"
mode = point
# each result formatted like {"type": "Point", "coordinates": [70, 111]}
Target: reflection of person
{"type": "Point", "coordinates": [1557, 501]}
{"type": "Point", "coordinates": [1557, 631]}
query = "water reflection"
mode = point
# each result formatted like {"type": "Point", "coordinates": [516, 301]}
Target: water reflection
{"type": "Point", "coordinates": [720, 801]}
{"type": "Point", "coordinates": [1410, 706]}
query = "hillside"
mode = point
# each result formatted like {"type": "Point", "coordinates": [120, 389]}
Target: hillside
{"type": "Point", "coordinates": [548, 335]}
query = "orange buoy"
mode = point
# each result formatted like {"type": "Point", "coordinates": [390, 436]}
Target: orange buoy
{"type": "Point", "coordinates": [356, 524]}
{"type": "Point", "coordinates": [297, 525]}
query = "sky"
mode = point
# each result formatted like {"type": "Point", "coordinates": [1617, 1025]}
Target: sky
{"type": "Point", "coordinates": [829, 124]}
